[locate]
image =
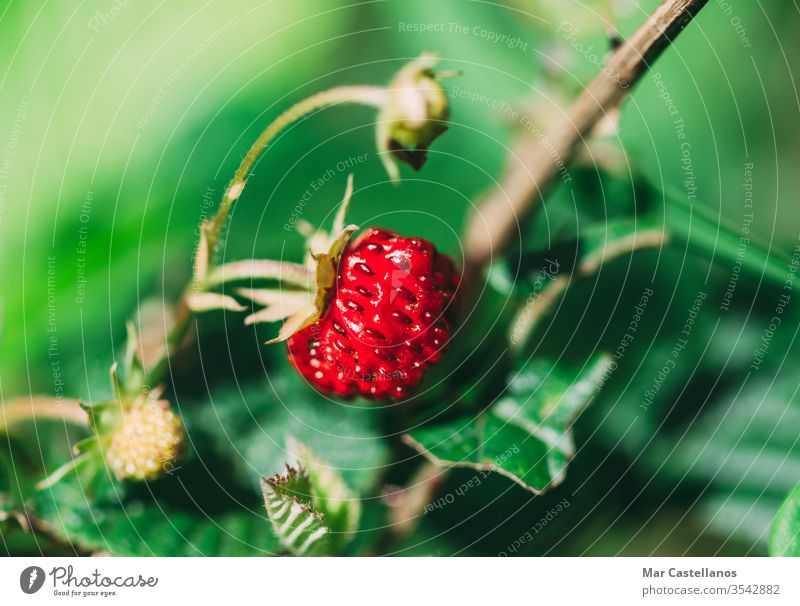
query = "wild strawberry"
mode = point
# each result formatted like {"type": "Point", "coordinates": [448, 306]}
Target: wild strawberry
{"type": "Point", "coordinates": [146, 441]}
{"type": "Point", "coordinates": [365, 318]}
{"type": "Point", "coordinates": [390, 318]}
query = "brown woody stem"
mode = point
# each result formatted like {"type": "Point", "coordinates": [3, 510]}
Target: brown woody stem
{"type": "Point", "coordinates": [532, 169]}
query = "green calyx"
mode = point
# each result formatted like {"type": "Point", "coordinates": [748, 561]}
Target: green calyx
{"type": "Point", "coordinates": [415, 114]}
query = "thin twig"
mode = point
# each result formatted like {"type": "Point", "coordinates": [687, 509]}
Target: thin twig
{"type": "Point", "coordinates": [537, 161]}
{"type": "Point", "coordinates": [423, 486]}
{"type": "Point", "coordinates": [373, 96]}
{"type": "Point", "coordinates": [41, 407]}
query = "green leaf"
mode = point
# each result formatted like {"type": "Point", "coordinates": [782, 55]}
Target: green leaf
{"type": "Point", "coordinates": [740, 450]}
{"type": "Point", "coordinates": [747, 440]}
{"type": "Point", "coordinates": [299, 527]}
{"type": "Point", "coordinates": [212, 504]}
{"type": "Point", "coordinates": [195, 510]}
{"type": "Point", "coordinates": [784, 539]}
{"type": "Point", "coordinates": [525, 435]}
{"type": "Point", "coordinates": [254, 421]}
{"type": "Point", "coordinates": [695, 227]}
{"type": "Point", "coordinates": [329, 493]}
{"type": "Point", "coordinates": [311, 508]}
{"type": "Point", "coordinates": [109, 520]}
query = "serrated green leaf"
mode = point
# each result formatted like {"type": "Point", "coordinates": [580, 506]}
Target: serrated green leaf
{"type": "Point", "coordinates": [526, 434]}
{"type": "Point", "coordinates": [299, 527]}
{"type": "Point", "coordinates": [107, 519]}
{"type": "Point", "coordinates": [294, 484]}
{"type": "Point", "coordinates": [329, 493]}
{"type": "Point", "coordinates": [784, 539]}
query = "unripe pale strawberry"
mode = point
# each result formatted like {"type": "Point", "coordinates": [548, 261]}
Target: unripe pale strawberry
{"type": "Point", "coordinates": [146, 442]}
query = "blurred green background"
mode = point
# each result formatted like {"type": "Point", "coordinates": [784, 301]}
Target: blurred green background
{"type": "Point", "coordinates": [122, 120]}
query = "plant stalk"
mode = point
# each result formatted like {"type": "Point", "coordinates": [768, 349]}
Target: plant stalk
{"type": "Point", "coordinates": [40, 408]}
{"type": "Point", "coordinates": [532, 170]}
{"type": "Point", "coordinates": [373, 96]}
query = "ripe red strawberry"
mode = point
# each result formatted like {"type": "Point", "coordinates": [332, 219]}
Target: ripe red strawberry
{"type": "Point", "coordinates": [363, 318]}
{"type": "Point", "coordinates": [389, 317]}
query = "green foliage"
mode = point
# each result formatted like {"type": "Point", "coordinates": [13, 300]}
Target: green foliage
{"type": "Point", "coordinates": [785, 537]}
{"type": "Point", "coordinates": [745, 452]}
{"type": "Point", "coordinates": [330, 495]}
{"type": "Point", "coordinates": [311, 508]}
{"type": "Point", "coordinates": [298, 526]}
{"type": "Point", "coordinates": [254, 422]}
{"type": "Point", "coordinates": [103, 519]}
{"type": "Point", "coordinates": [550, 273]}
{"type": "Point", "coordinates": [525, 435]}
{"type": "Point", "coordinates": [701, 467]}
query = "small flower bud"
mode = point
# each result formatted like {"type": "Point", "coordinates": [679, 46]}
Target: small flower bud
{"type": "Point", "coordinates": [146, 442]}
{"type": "Point", "coordinates": [415, 114]}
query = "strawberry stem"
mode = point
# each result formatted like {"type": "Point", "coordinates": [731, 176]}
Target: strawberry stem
{"type": "Point", "coordinates": [24, 409]}
{"type": "Point", "coordinates": [374, 96]}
